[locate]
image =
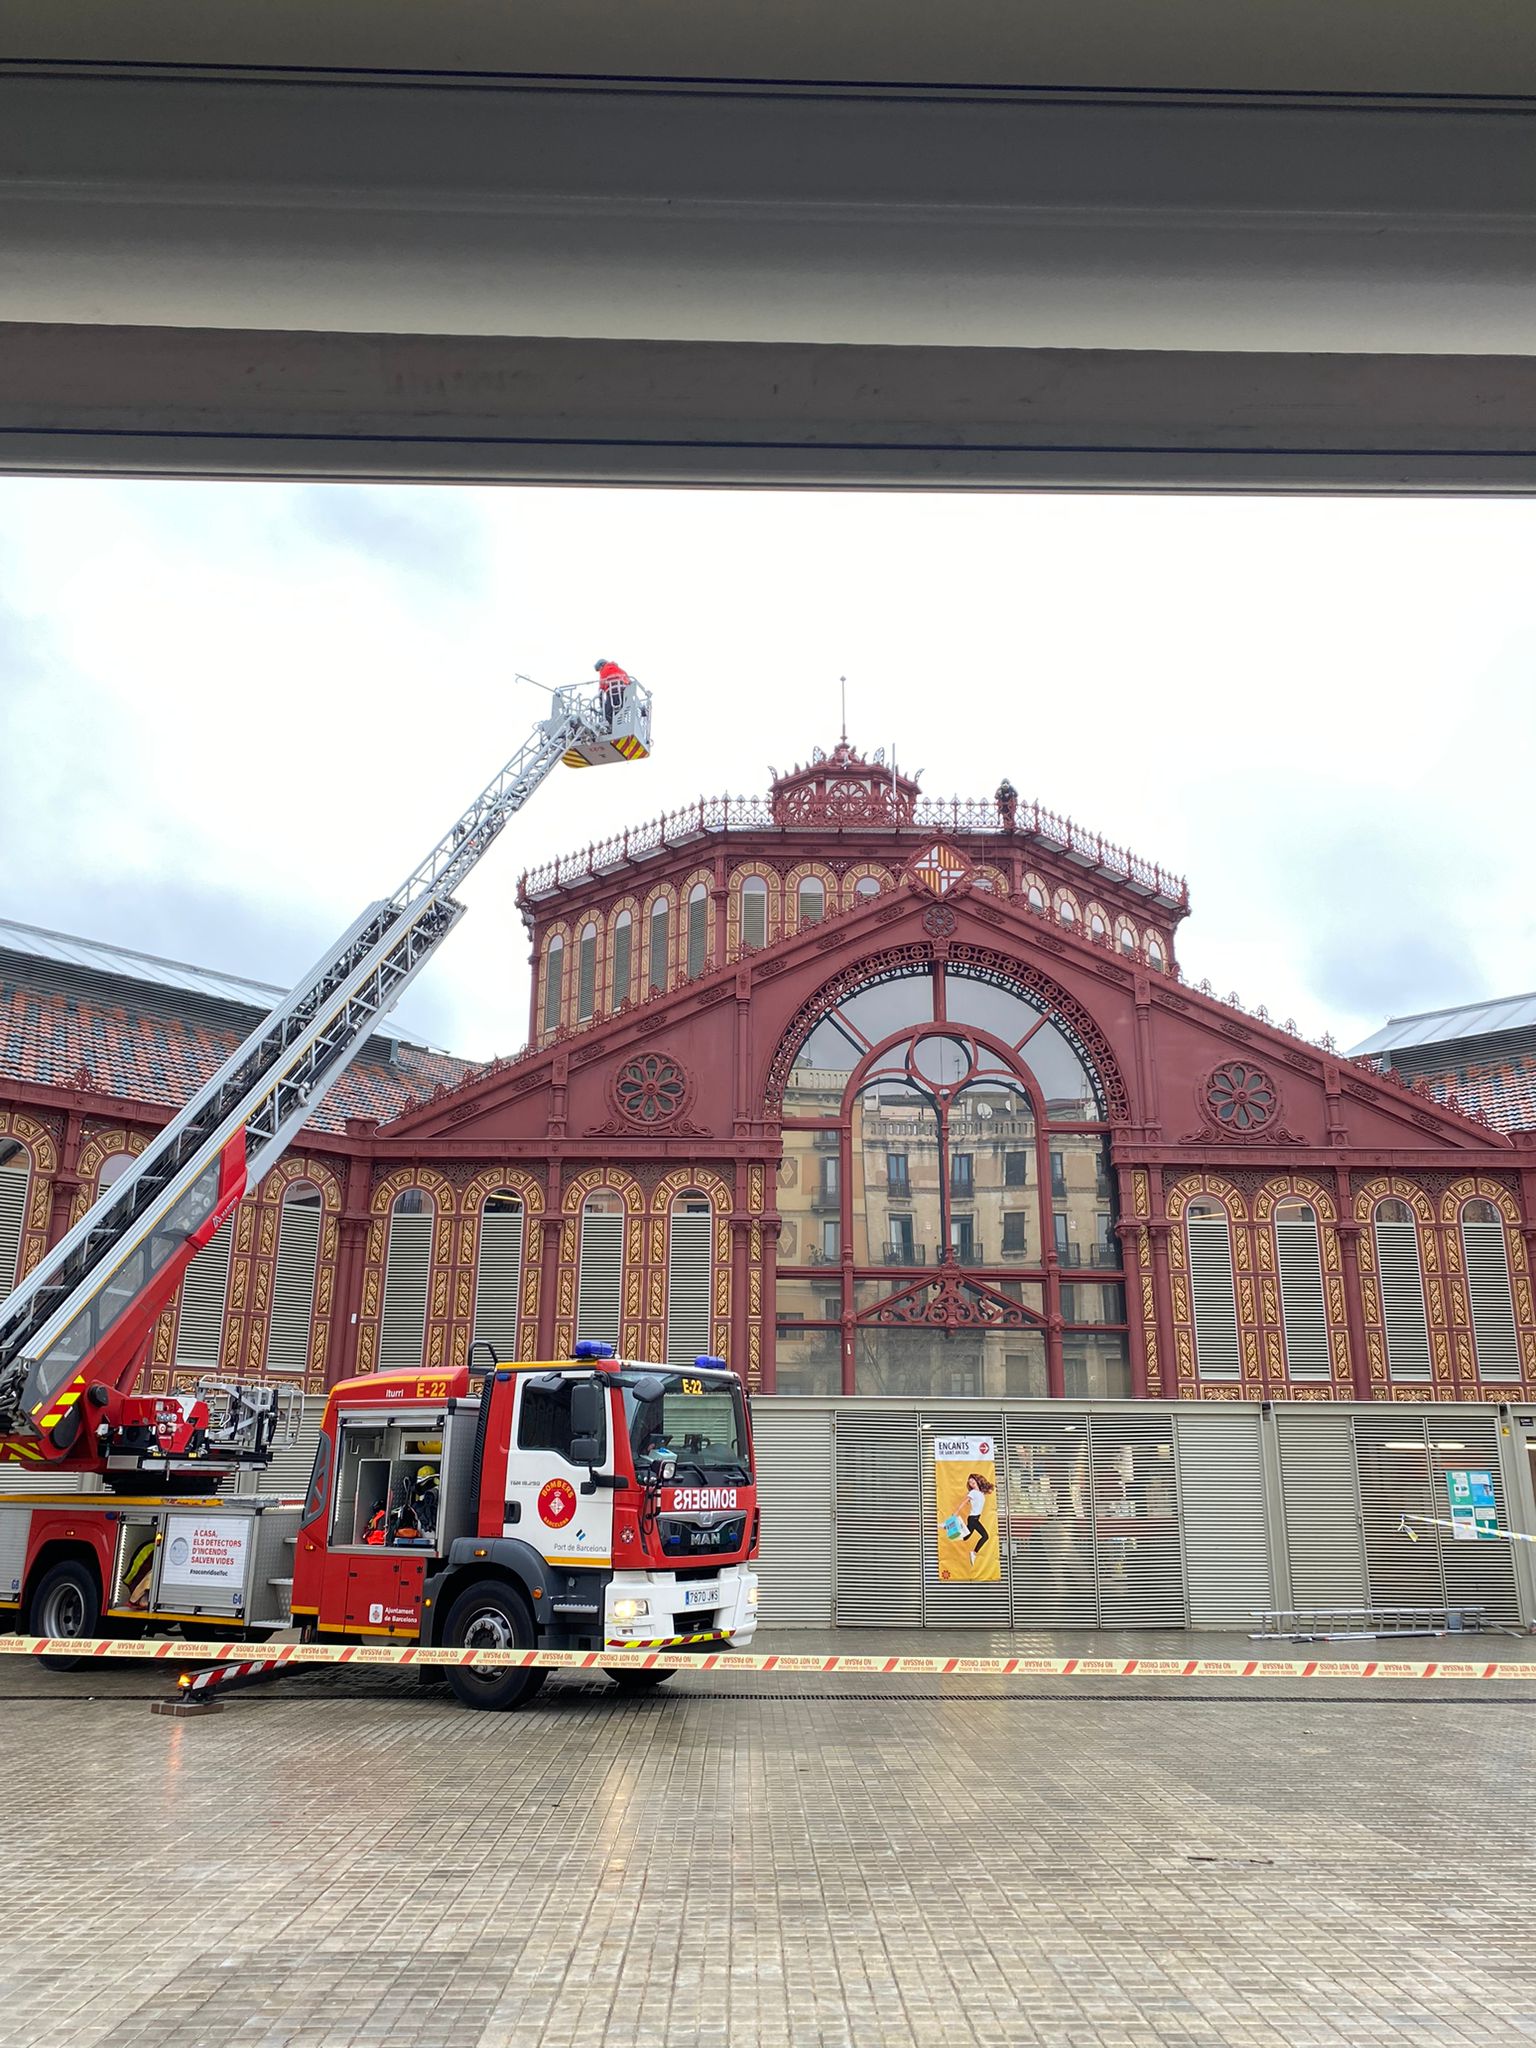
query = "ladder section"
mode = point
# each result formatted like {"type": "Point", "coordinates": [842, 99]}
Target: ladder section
{"type": "Point", "coordinates": [112, 1274]}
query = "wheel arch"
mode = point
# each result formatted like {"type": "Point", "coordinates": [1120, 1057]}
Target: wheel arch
{"type": "Point", "coordinates": [62, 1550]}
{"type": "Point", "coordinates": [508, 1562]}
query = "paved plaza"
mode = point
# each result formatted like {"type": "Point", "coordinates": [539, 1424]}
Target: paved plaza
{"type": "Point", "coordinates": [351, 1859]}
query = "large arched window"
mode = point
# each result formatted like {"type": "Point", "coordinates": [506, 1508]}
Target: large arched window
{"type": "Point", "coordinates": [407, 1279]}
{"type": "Point", "coordinates": [690, 1275]}
{"type": "Point", "coordinates": [1402, 1292]}
{"type": "Point", "coordinates": [623, 943]}
{"type": "Point", "coordinates": [554, 983]}
{"type": "Point", "coordinates": [204, 1291]}
{"type": "Point", "coordinates": [811, 901]}
{"type": "Point", "coordinates": [754, 911]}
{"type": "Point", "coordinates": [499, 1273]}
{"type": "Point", "coordinates": [1303, 1314]}
{"type": "Point", "coordinates": [698, 930]}
{"type": "Point", "coordinates": [15, 1180]}
{"type": "Point", "coordinates": [1213, 1297]}
{"type": "Point", "coordinates": [656, 965]}
{"type": "Point", "coordinates": [600, 1274]}
{"type": "Point", "coordinates": [1492, 1300]}
{"type": "Point", "coordinates": [293, 1284]}
{"type": "Point", "coordinates": [586, 974]}
{"type": "Point", "coordinates": [945, 1160]}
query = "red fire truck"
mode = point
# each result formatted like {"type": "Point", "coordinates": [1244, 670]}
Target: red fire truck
{"type": "Point", "coordinates": [162, 1545]}
{"type": "Point", "coordinates": [595, 1504]}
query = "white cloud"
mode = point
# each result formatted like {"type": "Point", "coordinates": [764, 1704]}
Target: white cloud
{"type": "Point", "coordinates": [232, 714]}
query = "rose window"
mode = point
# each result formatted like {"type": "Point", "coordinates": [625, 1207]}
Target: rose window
{"type": "Point", "coordinates": [651, 1089]}
{"type": "Point", "coordinates": [1241, 1097]}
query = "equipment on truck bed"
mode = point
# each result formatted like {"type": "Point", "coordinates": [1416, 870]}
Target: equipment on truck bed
{"type": "Point", "coordinates": [73, 1334]}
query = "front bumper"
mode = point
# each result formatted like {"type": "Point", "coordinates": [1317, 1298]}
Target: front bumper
{"type": "Point", "coordinates": [659, 1611]}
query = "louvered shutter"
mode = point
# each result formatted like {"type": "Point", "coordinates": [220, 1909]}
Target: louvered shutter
{"type": "Point", "coordinates": [586, 977]}
{"type": "Point", "coordinates": [204, 1288]}
{"type": "Point", "coordinates": [1222, 1510]}
{"type": "Point", "coordinates": [600, 1280]}
{"type": "Point", "coordinates": [293, 1286]}
{"type": "Point", "coordinates": [689, 1274]}
{"type": "Point", "coordinates": [1480, 1573]}
{"type": "Point", "coordinates": [698, 914]}
{"type": "Point", "coordinates": [1320, 1501]}
{"type": "Point", "coordinates": [24, 1479]}
{"type": "Point", "coordinates": [554, 975]}
{"type": "Point", "coordinates": [622, 940]}
{"type": "Point", "coordinates": [1139, 1553]}
{"type": "Point", "coordinates": [1213, 1297]}
{"type": "Point", "coordinates": [498, 1277]}
{"type": "Point", "coordinates": [754, 917]}
{"type": "Point", "coordinates": [1302, 1309]}
{"type": "Point", "coordinates": [879, 1528]}
{"type": "Point", "coordinates": [660, 920]}
{"type": "Point", "coordinates": [796, 1477]}
{"type": "Point", "coordinates": [1493, 1305]}
{"type": "Point", "coordinates": [967, 1605]}
{"type": "Point", "coordinates": [1393, 1459]}
{"type": "Point", "coordinates": [407, 1279]}
{"type": "Point", "coordinates": [1050, 1520]}
{"type": "Point", "coordinates": [13, 1216]}
{"type": "Point", "coordinates": [1402, 1300]}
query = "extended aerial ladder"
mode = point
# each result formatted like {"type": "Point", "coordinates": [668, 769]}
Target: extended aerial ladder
{"type": "Point", "coordinates": [73, 1334]}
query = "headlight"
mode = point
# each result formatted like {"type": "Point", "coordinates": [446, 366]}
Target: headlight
{"type": "Point", "coordinates": [630, 1610]}
{"type": "Point", "coordinates": [752, 1594]}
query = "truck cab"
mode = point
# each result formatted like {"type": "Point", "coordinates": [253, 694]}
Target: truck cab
{"type": "Point", "coordinates": [589, 1504]}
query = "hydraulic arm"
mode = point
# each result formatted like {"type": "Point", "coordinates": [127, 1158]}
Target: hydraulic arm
{"type": "Point", "coordinates": [80, 1319]}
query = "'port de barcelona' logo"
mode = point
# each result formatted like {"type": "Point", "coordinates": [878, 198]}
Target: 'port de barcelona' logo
{"type": "Point", "coordinates": [557, 1502]}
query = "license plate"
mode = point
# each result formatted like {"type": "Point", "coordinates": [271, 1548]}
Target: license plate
{"type": "Point", "coordinates": [701, 1596]}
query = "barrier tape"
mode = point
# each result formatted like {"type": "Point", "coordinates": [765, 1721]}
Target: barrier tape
{"type": "Point", "coordinates": [278, 1654]}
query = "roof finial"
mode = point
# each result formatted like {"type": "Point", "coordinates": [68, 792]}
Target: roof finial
{"type": "Point", "coordinates": [843, 686]}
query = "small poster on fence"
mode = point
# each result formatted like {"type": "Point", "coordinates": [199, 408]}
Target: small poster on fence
{"type": "Point", "coordinates": [965, 1497]}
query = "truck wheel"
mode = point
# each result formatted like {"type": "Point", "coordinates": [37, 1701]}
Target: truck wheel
{"type": "Point", "coordinates": [490, 1616]}
{"type": "Point", "coordinates": [65, 1602]}
{"type": "Point", "coordinates": [640, 1681]}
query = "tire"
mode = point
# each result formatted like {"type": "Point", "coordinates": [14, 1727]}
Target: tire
{"type": "Point", "coordinates": [640, 1681]}
{"type": "Point", "coordinates": [65, 1602]}
{"type": "Point", "coordinates": [490, 1615]}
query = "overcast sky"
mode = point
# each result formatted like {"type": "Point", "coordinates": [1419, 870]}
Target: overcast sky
{"type": "Point", "coordinates": [232, 714]}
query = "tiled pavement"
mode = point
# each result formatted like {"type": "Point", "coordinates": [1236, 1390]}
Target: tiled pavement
{"type": "Point", "coordinates": [353, 1860]}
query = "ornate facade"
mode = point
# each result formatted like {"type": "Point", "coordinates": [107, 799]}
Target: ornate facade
{"type": "Point", "coordinates": [872, 1095]}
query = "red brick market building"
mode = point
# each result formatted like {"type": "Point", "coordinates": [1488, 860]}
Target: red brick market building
{"type": "Point", "coordinates": [870, 1094]}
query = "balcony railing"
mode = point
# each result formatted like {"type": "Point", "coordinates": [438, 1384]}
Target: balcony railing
{"type": "Point", "coordinates": [1087, 850]}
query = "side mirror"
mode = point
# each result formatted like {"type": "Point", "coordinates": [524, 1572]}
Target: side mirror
{"type": "Point", "coordinates": [589, 1415]}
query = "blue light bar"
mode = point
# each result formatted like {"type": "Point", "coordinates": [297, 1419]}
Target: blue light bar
{"type": "Point", "coordinates": [589, 1347]}
{"type": "Point", "coordinates": [708, 1364]}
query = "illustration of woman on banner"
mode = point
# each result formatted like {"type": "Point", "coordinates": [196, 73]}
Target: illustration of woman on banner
{"type": "Point", "coordinates": [977, 1487]}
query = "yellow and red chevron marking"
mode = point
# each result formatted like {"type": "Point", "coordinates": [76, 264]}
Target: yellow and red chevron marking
{"type": "Point", "coordinates": [16, 1450]}
{"type": "Point", "coordinates": [631, 748]}
{"type": "Point", "coordinates": [178, 1651]}
{"type": "Point", "coordinates": [669, 1642]}
{"type": "Point", "coordinates": [49, 1414]}
{"type": "Point", "coordinates": [575, 760]}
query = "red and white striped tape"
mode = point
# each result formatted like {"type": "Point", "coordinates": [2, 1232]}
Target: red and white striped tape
{"type": "Point", "coordinates": [801, 1666]}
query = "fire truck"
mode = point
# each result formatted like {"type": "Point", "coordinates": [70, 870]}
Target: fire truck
{"type": "Point", "coordinates": [594, 1504]}
{"type": "Point", "coordinates": [161, 1544]}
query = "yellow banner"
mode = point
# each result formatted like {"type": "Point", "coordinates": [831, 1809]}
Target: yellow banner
{"type": "Point", "coordinates": [965, 1498]}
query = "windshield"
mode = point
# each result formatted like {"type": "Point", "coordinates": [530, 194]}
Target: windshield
{"type": "Point", "coordinates": [697, 1422]}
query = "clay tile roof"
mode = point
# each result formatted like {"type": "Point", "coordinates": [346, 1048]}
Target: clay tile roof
{"type": "Point", "coordinates": [146, 1057]}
